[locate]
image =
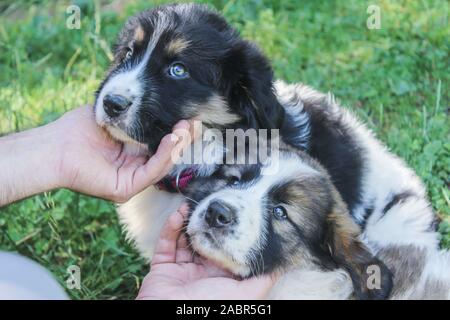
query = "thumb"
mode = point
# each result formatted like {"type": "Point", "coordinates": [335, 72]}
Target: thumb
{"type": "Point", "coordinates": [166, 247]}
{"type": "Point", "coordinates": [167, 154]}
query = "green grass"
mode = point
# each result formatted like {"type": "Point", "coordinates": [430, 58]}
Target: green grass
{"type": "Point", "coordinates": [396, 79]}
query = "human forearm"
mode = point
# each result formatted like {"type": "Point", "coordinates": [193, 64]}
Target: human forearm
{"type": "Point", "coordinates": [74, 152]}
{"type": "Point", "coordinates": [29, 163]}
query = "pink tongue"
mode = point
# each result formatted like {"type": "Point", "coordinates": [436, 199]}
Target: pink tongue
{"type": "Point", "coordinates": [184, 179]}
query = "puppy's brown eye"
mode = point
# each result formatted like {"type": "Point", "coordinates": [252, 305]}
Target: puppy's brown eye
{"type": "Point", "coordinates": [279, 212]}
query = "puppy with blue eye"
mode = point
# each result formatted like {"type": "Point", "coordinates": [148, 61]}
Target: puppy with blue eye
{"type": "Point", "coordinates": [281, 216]}
{"type": "Point", "coordinates": [285, 216]}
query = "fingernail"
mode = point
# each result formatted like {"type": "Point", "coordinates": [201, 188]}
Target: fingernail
{"type": "Point", "coordinates": [174, 138]}
{"type": "Point", "coordinates": [183, 124]}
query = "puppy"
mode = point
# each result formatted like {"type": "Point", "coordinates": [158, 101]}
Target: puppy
{"type": "Point", "coordinates": [293, 222]}
{"type": "Point", "coordinates": [184, 61]}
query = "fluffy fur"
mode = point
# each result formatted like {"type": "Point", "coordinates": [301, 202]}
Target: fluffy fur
{"type": "Point", "coordinates": [229, 84]}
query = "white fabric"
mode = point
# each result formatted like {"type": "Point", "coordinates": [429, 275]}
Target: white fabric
{"type": "Point", "coordinates": [24, 279]}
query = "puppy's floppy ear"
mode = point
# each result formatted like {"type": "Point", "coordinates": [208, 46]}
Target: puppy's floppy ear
{"type": "Point", "coordinates": [249, 86]}
{"type": "Point", "coordinates": [371, 278]}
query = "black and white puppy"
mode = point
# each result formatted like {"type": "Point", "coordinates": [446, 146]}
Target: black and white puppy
{"type": "Point", "coordinates": [279, 216]}
{"type": "Point", "coordinates": [285, 216]}
{"type": "Point", "coordinates": [184, 61]}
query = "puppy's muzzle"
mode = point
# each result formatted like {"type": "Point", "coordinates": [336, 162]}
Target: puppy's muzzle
{"type": "Point", "coordinates": [115, 105]}
{"type": "Point", "coordinates": [220, 215]}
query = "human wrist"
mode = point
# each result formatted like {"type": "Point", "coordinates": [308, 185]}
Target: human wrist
{"type": "Point", "coordinates": [54, 142]}
{"type": "Point", "coordinates": [29, 163]}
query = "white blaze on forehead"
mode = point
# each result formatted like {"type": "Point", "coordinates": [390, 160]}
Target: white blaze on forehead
{"type": "Point", "coordinates": [126, 82]}
{"type": "Point", "coordinates": [250, 230]}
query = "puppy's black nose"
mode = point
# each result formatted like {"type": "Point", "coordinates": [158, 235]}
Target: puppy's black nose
{"type": "Point", "coordinates": [220, 215]}
{"type": "Point", "coordinates": [115, 104]}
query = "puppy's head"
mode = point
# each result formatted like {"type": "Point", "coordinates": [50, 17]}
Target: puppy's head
{"type": "Point", "coordinates": [179, 62]}
{"type": "Point", "coordinates": [251, 223]}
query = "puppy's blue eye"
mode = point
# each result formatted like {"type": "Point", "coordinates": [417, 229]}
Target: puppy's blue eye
{"type": "Point", "coordinates": [129, 53]}
{"type": "Point", "coordinates": [178, 71]}
{"type": "Point", "coordinates": [233, 181]}
{"type": "Point", "coordinates": [279, 212]}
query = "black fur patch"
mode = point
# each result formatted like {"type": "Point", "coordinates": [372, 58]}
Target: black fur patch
{"type": "Point", "coordinates": [368, 210]}
{"type": "Point", "coordinates": [273, 253]}
{"type": "Point", "coordinates": [396, 198]}
{"type": "Point", "coordinates": [334, 146]}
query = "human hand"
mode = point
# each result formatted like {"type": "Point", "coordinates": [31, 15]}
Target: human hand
{"type": "Point", "coordinates": [176, 274]}
{"type": "Point", "coordinates": [92, 163]}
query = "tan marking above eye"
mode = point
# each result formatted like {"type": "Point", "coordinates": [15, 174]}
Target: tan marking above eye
{"type": "Point", "coordinates": [214, 111]}
{"type": "Point", "coordinates": [139, 34]}
{"type": "Point", "coordinates": [176, 46]}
